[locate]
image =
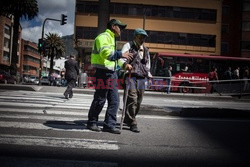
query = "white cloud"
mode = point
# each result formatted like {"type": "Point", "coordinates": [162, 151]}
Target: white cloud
{"type": "Point", "coordinates": [29, 34]}
{"type": "Point", "coordinates": [53, 9]}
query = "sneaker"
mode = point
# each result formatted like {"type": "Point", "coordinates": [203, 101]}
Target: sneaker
{"type": "Point", "coordinates": [112, 130]}
{"type": "Point", "coordinates": [134, 128]}
{"type": "Point", "coordinates": [94, 127]}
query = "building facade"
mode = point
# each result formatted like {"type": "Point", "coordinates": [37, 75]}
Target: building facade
{"type": "Point", "coordinates": [6, 40]}
{"type": "Point", "coordinates": [30, 59]}
{"type": "Point", "coordinates": [245, 28]}
{"type": "Point", "coordinates": [192, 27]}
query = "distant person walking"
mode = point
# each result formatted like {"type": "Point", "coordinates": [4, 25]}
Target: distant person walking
{"type": "Point", "coordinates": [245, 77]}
{"type": "Point", "coordinates": [72, 71]}
{"type": "Point", "coordinates": [169, 77]}
{"type": "Point", "coordinates": [228, 74]}
{"type": "Point", "coordinates": [213, 76]}
{"type": "Point", "coordinates": [236, 74]}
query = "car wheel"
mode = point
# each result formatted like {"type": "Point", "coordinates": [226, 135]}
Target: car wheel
{"type": "Point", "coordinates": [184, 89]}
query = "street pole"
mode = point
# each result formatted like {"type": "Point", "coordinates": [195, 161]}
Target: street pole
{"type": "Point", "coordinates": [144, 18]}
{"type": "Point", "coordinates": [40, 70]}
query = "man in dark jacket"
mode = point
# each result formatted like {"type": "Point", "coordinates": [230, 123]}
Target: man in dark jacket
{"type": "Point", "coordinates": [72, 71]}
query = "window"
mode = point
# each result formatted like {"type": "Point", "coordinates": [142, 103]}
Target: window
{"type": "Point", "coordinates": [224, 48]}
{"type": "Point", "coordinates": [225, 10]}
{"type": "Point", "coordinates": [246, 26]}
{"type": "Point", "coordinates": [6, 56]}
{"type": "Point", "coordinates": [245, 45]}
{"type": "Point", "coordinates": [225, 28]}
{"type": "Point", "coordinates": [246, 6]}
{"type": "Point", "coordinates": [7, 29]}
{"type": "Point", "coordinates": [6, 43]}
{"type": "Point", "coordinates": [86, 32]}
{"type": "Point", "coordinates": [151, 10]}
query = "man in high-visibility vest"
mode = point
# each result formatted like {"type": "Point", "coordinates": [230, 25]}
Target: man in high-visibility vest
{"type": "Point", "coordinates": [105, 58]}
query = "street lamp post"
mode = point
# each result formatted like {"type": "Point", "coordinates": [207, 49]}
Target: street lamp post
{"type": "Point", "coordinates": [63, 21]}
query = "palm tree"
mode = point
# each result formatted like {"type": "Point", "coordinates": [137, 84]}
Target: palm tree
{"type": "Point", "coordinates": [27, 9]}
{"type": "Point", "coordinates": [55, 48]}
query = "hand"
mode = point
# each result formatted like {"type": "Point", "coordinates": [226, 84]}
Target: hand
{"type": "Point", "coordinates": [127, 55]}
{"type": "Point", "coordinates": [128, 67]}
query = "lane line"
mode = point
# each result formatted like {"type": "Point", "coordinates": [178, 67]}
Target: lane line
{"type": "Point", "coordinates": [59, 142]}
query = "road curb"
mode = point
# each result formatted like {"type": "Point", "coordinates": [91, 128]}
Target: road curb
{"type": "Point", "coordinates": [20, 87]}
{"type": "Point", "coordinates": [195, 96]}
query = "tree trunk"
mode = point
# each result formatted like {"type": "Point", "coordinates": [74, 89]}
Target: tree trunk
{"type": "Point", "coordinates": [14, 58]}
{"type": "Point", "coordinates": [103, 15]}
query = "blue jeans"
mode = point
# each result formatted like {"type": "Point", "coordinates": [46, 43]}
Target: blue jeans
{"type": "Point", "coordinates": [103, 93]}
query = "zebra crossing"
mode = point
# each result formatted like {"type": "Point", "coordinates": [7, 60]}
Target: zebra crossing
{"type": "Point", "coordinates": [22, 111]}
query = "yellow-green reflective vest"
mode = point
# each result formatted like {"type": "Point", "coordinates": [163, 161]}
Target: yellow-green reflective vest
{"type": "Point", "coordinates": [103, 50]}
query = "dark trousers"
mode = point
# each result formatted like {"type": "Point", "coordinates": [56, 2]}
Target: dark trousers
{"type": "Point", "coordinates": [103, 93]}
{"type": "Point", "coordinates": [134, 99]}
{"type": "Point", "coordinates": [71, 85]}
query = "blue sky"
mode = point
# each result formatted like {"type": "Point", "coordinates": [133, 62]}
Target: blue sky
{"type": "Point", "coordinates": [32, 29]}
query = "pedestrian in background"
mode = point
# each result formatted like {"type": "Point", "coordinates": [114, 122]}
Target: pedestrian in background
{"type": "Point", "coordinates": [213, 77]}
{"type": "Point", "coordinates": [72, 71]}
{"type": "Point", "coordinates": [245, 76]}
{"type": "Point", "coordinates": [105, 58]}
{"type": "Point", "coordinates": [236, 73]}
{"type": "Point", "coordinates": [228, 74]}
{"type": "Point", "coordinates": [169, 77]}
{"type": "Point", "coordinates": [140, 71]}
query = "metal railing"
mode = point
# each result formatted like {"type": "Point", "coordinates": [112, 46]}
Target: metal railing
{"type": "Point", "coordinates": [222, 87]}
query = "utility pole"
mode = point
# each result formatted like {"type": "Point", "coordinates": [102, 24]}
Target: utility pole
{"type": "Point", "coordinates": [144, 18]}
{"type": "Point", "coordinates": [63, 21]}
{"type": "Point", "coordinates": [103, 15]}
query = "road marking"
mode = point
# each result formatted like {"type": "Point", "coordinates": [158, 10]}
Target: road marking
{"type": "Point", "coordinates": [59, 142]}
{"type": "Point", "coordinates": [30, 161]}
{"type": "Point", "coordinates": [49, 111]}
{"type": "Point", "coordinates": [66, 126]}
{"type": "Point", "coordinates": [75, 117]}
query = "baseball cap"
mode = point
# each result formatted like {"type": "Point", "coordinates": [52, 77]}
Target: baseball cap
{"type": "Point", "coordinates": [140, 31]}
{"type": "Point", "coordinates": [117, 22]}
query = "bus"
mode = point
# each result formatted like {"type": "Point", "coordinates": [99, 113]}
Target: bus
{"type": "Point", "coordinates": [190, 71]}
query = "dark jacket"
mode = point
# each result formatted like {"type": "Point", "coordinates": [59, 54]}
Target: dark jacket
{"type": "Point", "coordinates": [72, 69]}
{"type": "Point", "coordinates": [139, 65]}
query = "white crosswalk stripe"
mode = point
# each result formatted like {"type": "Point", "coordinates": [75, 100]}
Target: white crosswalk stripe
{"type": "Point", "coordinates": [47, 111]}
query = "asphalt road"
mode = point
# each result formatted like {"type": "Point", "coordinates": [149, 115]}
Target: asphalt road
{"type": "Point", "coordinates": [41, 128]}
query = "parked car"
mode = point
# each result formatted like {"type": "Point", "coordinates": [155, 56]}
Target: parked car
{"type": "Point", "coordinates": [45, 81]}
{"type": "Point", "coordinates": [32, 79]}
{"type": "Point", "coordinates": [36, 81]}
{"type": "Point", "coordinates": [7, 78]}
{"type": "Point", "coordinates": [58, 82]}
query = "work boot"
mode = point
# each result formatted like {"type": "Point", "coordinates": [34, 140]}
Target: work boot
{"type": "Point", "coordinates": [93, 127]}
{"type": "Point", "coordinates": [111, 130]}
